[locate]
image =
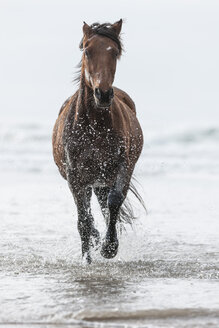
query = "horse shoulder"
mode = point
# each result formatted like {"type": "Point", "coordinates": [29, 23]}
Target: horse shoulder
{"type": "Point", "coordinates": [127, 124]}
{"type": "Point", "coordinates": [124, 97]}
{"type": "Point", "coordinates": [57, 137]}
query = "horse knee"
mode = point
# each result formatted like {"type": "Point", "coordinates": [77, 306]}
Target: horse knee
{"type": "Point", "coordinates": [115, 200]}
{"type": "Point", "coordinates": [84, 228]}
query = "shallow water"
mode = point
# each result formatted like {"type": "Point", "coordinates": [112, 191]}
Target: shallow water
{"type": "Point", "coordinates": [167, 270]}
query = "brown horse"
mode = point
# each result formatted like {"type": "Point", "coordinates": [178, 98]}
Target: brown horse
{"type": "Point", "coordinates": [97, 138]}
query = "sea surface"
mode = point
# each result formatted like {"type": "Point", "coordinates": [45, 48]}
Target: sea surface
{"type": "Point", "coordinates": [166, 273]}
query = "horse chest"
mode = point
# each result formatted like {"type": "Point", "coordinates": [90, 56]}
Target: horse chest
{"type": "Point", "coordinates": [95, 151]}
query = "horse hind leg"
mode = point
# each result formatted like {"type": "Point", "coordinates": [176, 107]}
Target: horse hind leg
{"type": "Point", "coordinates": [102, 194]}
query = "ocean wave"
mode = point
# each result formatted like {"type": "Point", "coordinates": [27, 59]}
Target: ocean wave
{"type": "Point", "coordinates": [42, 132]}
{"type": "Point", "coordinates": [191, 136]}
{"type": "Point", "coordinates": [150, 314]}
{"type": "Point", "coordinates": [28, 148]}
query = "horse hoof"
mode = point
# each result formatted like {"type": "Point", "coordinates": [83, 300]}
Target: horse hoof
{"type": "Point", "coordinates": [95, 240]}
{"type": "Point", "coordinates": [87, 259]}
{"type": "Point", "coordinates": [109, 250]}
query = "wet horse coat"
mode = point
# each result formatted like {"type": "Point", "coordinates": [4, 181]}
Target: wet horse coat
{"type": "Point", "coordinates": [97, 138]}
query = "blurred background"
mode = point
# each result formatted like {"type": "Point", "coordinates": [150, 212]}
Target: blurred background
{"type": "Point", "coordinates": [168, 264]}
{"type": "Point", "coordinates": [170, 64]}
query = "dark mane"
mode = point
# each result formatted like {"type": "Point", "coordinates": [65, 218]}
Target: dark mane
{"type": "Point", "coordinates": [107, 31]}
{"type": "Point", "coordinates": [104, 30]}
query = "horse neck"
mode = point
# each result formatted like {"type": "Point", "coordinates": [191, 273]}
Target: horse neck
{"type": "Point", "coordinates": [86, 110]}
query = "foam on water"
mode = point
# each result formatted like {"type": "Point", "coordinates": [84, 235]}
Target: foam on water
{"type": "Point", "coordinates": [167, 268]}
{"type": "Point", "coordinates": [145, 314]}
{"type": "Point", "coordinates": [27, 147]}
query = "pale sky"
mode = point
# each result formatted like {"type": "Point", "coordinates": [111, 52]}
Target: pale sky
{"type": "Point", "coordinates": [170, 66]}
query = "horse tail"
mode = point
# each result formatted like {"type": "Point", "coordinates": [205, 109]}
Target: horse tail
{"type": "Point", "coordinates": [126, 213]}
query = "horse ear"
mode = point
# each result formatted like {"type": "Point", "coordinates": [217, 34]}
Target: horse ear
{"type": "Point", "coordinates": [117, 26]}
{"type": "Point", "coordinates": [87, 29]}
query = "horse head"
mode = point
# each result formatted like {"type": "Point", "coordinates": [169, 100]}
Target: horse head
{"type": "Point", "coordinates": [101, 47]}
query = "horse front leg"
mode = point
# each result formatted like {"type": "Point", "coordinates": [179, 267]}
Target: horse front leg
{"type": "Point", "coordinates": [116, 197]}
{"type": "Point", "coordinates": [86, 227]}
{"type": "Point", "coordinates": [84, 224]}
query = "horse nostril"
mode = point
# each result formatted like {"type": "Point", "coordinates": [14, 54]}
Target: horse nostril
{"type": "Point", "coordinates": [111, 93]}
{"type": "Point", "coordinates": [104, 97]}
{"type": "Point", "coordinates": [98, 93]}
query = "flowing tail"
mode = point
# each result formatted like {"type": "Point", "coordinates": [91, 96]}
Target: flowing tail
{"type": "Point", "coordinates": [126, 214]}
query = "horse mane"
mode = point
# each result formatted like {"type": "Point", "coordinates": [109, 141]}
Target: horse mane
{"type": "Point", "coordinates": [105, 29]}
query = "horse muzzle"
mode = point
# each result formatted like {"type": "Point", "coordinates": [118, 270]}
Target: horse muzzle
{"type": "Point", "coordinates": [103, 98]}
